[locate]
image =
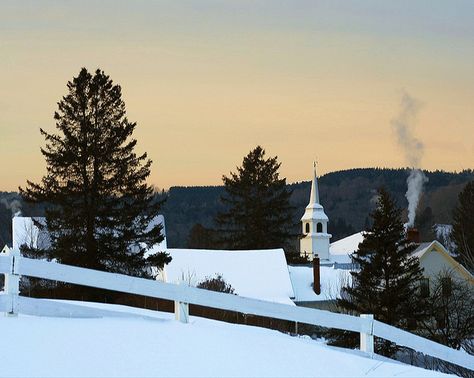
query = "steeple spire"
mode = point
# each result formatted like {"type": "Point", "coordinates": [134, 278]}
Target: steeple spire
{"type": "Point", "coordinates": [314, 198]}
{"type": "Point", "coordinates": [314, 222]}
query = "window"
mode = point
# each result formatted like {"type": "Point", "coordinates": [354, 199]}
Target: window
{"type": "Point", "coordinates": [425, 287]}
{"type": "Point", "coordinates": [446, 286]}
{"type": "Point", "coordinates": [307, 228]}
{"type": "Point", "coordinates": [319, 227]}
{"type": "Point", "coordinates": [440, 320]}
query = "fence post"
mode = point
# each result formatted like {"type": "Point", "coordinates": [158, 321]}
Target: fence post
{"type": "Point", "coordinates": [367, 339]}
{"type": "Point", "coordinates": [181, 311]}
{"type": "Point", "coordinates": [12, 283]}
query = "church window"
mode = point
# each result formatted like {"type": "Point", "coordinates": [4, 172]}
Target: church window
{"type": "Point", "coordinates": [319, 227]}
{"type": "Point", "coordinates": [307, 228]}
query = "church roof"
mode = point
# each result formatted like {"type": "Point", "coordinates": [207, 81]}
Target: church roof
{"type": "Point", "coordinates": [346, 245]}
{"type": "Point", "coordinates": [314, 197]}
{"type": "Point", "coordinates": [314, 210]}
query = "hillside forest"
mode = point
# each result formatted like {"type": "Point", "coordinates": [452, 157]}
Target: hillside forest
{"type": "Point", "coordinates": [347, 196]}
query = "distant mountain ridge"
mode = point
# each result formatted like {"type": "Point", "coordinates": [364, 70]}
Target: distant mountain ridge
{"type": "Point", "coordinates": [348, 197]}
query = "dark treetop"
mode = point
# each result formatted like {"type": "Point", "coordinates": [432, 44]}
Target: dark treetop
{"type": "Point", "coordinates": [99, 207]}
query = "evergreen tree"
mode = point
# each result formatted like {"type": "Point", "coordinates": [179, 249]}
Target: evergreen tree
{"type": "Point", "coordinates": [463, 226]}
{"type": "Point", "coordinates": [201, 237]}
{"type": "Point", "coordinates": [100, 209]}
{"type": "Point", "coordinates": [387, 283]}
{"type": "Point", "coordinates": [258, 212]}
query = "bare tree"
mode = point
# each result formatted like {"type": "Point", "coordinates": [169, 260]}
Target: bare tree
{"type": "Point", "coordinates": [450, 318]}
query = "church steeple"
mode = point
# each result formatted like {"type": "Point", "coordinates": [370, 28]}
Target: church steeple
{"type": "Point", "coordinates": [314, 197]}
{"type": "Point", "coordinates": [315, 240]}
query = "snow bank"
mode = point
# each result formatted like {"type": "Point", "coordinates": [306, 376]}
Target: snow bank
{"type": "Point", "coordinates": [160, 347]}
{"type": "Point", "coordinates": [260, 274]}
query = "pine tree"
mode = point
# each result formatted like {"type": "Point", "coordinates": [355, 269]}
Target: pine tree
{"type": "Point", "coordinates": [258, 214]}
{"type": "Point", "coordinates": [387, 283]}
{"type": "Point", "coordinates": [463, 226]}
{"type": "Point", "coordinates": [100, 209]}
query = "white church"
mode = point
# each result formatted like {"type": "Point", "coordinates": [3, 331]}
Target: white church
{"type": "Point", "coordinates": [315, 240]}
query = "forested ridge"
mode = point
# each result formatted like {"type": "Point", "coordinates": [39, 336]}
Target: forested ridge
{"type": "Point", "coordinates": [347, 196]}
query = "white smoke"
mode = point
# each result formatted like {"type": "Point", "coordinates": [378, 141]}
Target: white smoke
{"type": "Point", "coordinates": [415, 182]}
{"type": "Point", "coordinates": [404, 125]}
{"type": "Point", "coordinates": [14, 206]}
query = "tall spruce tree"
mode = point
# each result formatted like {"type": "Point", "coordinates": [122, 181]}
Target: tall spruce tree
{"type": "Point", "coordinates": [463, 226]}
{"type": "Point", "coordinates": [387, 283]}
{"type": "Point", "coordinates": [100, 209]}
{"type": "Point", "coordinates": [259, 214]}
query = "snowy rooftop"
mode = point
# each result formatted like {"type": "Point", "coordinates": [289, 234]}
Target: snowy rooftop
{"type": "Point", "coordinates": [260, 274]}
{"type": "Point", "coordinates": [332, 280]}
{"type": "Point", "coordinates": [421, 249]}
{"type": "Point", "coordinates": [340, 250]}
{"type": "Point", "coordinates": [157, 346]}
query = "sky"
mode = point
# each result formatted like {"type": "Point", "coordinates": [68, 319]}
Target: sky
{"type": "Point", "coordinates": [206, 81]}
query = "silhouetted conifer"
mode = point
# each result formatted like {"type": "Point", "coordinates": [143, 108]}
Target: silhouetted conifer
{"type": "Point", "coordinates": [387, 283]}
{"type": "Point", "coordinates": [258, 212]}
{"type": "Point", "coordinates": [100, 209]}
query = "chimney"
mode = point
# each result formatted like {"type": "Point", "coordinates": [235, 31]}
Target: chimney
{"type": "Point", "coordinates": [413, 235]}
{"type": "Point", "coordinates": [316, 275]}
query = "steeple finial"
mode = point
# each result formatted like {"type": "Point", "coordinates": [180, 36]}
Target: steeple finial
{"type": "Point", "coordinates": [314, 198]}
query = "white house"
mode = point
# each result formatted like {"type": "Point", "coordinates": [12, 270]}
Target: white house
{"type": "Point", "coordinates": [436, 260]}
{"type": "Point", "coordinates": [26, 231]}
{"type": "Point", "coordinates": [433, 256]}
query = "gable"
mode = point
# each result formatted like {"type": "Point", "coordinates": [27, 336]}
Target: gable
{"type": "Point", "coordinates": [435, 259]}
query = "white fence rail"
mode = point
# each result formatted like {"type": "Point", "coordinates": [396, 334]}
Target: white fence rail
{"type": "Point", "coordinates": [11, 302]}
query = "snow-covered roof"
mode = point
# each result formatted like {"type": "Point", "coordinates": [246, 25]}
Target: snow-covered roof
{"type": "Point", "coordinates": [340, 250]}
{"type": "Point", "coordinates": [422, 249]}
{"type": "Point", "coordinates": [260, 274]}
{"type": "Point", "coordinates": [347, 245]}
{"type": "Point", "coordinates": [332, 280]}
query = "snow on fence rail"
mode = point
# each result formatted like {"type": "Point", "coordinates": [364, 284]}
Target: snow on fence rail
{"type": "Point", "coordinates": [14, 265]}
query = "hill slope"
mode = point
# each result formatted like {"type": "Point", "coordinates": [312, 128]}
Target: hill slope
{"type": "Point", "coordinates": [105, 347]}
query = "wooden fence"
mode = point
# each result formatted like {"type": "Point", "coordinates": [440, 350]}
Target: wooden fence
{"type": "Point", "coordinates": [14, 266]}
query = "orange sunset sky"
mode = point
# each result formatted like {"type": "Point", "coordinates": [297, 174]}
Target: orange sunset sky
{"type": "Point", "coordinates": [206, 81]}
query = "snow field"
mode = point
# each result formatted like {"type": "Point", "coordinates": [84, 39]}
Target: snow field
{"type": "Point", "coordinates": [121, 347]}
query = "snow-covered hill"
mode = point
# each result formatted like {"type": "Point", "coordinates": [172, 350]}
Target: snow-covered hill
{"type": "Point", "coordinates": [160, 346]}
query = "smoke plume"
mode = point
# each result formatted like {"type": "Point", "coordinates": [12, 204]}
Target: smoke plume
{"type": "Point", "coordinates": [415, 182]}
{"type": "Point", "coordinates": [14, 206]}
{"type": "Point", "coordinates": [404, 125]}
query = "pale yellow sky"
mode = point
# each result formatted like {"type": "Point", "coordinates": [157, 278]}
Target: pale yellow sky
{"type": "Point", "coordinates": [209, 80]}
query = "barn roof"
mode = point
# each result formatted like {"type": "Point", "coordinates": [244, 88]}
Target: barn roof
{"type": "Point", "coordinates": [259, 274]}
